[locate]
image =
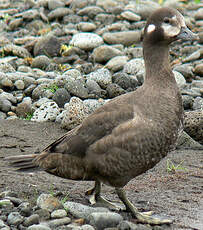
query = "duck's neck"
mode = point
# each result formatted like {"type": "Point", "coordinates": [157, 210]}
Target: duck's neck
{"type": "Point", "coordinates": [157, 64]}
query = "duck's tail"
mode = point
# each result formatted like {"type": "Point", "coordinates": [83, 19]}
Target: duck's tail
{"type": "Point", "coordinates": [23, 163]}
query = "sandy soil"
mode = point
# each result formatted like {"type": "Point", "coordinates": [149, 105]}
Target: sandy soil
{"type": "Point", "coordinates": [178, 194]}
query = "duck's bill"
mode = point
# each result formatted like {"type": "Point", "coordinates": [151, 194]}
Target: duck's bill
{"type": "Point", "coordinates": [187, 35]}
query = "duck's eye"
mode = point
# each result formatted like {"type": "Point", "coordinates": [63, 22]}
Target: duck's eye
{"type": "Point", "coordinates": [166, 20]}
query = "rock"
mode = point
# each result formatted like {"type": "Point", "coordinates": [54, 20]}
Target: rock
{"type": "Point", "coordinates": [58, 222]}
{"type": "Point", "coordinates": [2, 115]}
{"type": "Point", "coordinates": [82, 211]}
{"type": "Point", "coordinates": [102, 220]}
{"type": "Point", "coordinates": [59, 13]}
{"type": "Point", "coordinates": [130, 16]}
{"type": "Point", "coordinates": [33, 219]}
{"type": "Point", "coordinates": [114, 90]}
{"type": "Point", "coordinates": [53, 4]}
{"type": "Point", "coordinates": [40, 62]}
{"type": "Point", "coordinates": [185, 70]}
{"type": "Point", "coordinates": [44, 214]}
{"type": "Point", "coordinates": [14, 218]}
{"type": "Point", "coordinates": [127, 225]}
{"type": "Point", "coordinates": [39, 227]}
{"type": "Point", "coordinates": [197, 84]}
{"type": "Point", "coordinates": [9, 96]}
{"type": "Point", "coordinates": [93, 104]}
{"type": "Point", "coordinates": [94, 88]}
{"type": "Point", "coordinates": [47, 201]}
{"type": "Point", "coordinates": [23, 109]}
{"type": "Point", "coordinates": [134, 66]}
{"type": "Point", "coordinates": [61, 97]}
{"type": "Point", "coordinates": [200, 34]}
{"type": "Point", "coordinates": [199, 14]}
{"type": "Point", "coordinates": [75, 113]}
{"type": "Point", "coordinates": [6, 82]}
{"type": "Point", "coordinates": [25, 209]}
{"type": "Point", "coordinates": [48, 45]}
{"type": "Point", "coordinates": [90, 11]}
{"type": "Point", "coordinates": [18, 51]}
{"type": "Point", "coordinates": [60, 213]}
{"type": "Point", "coordinates": [101, 76]}
{"type": "Point", "coordinates": [125, 81]}
{"type": "Point", "coordinates": [74, 73]}
{"type": "Point", "coordinates": [3, 226]}
{"type": "Point", "coordinates": [41, 91]}
{"type": "Point", "coordinates": [76, 88]}
{"type": "Point", "coordinates": [5, 105]}
{"type": "Point", "coordinates": [6, 203]}
{"type": "Point", "coordinates": [194, 56]}
{"type": "Point", "coordinates": [6, 68]}
{"type": "Point", "coordinates": [19, 84]}
{"type": "Point", "coordinates": [180, 80]}
{"type": "Point", "coordinates": [86, 41]}
{"type": "Point", "coordinates": [199, 70]}
{"type": "Point", "coordinates": [193, 124]}
{"type": "Point", "coordinates": [126, 38]}
{"type": "Point", "coordinates": [46, 112]}
{"type": "Point", "coordinates": [86, 26]}
{"type": "Point", "coordinates": [187, 101]}
{"type": "Point", "coordinates": [198, 103]}
{"type": "Point", "coordinates": [117, 63]}
{"type": "Point", "coordinates": [104, 53]}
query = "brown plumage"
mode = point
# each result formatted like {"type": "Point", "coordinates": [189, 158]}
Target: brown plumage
{"type": "Point", "coordinates": [131, 133]}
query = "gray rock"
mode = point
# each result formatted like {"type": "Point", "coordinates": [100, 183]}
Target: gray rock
{"type": "Point", "coordinates": [127, 225]}
{"type": "Point", "coordinates": [74, 73]}
{"type": "Point", "coordinates": [44, 214]}
{"type": "Point", "coordinates": [187, 101]}
{"type": "Point", "coordinates": [87, 227]}
{"type": "Point", "coordinates": [76, 88]}
{"type": "Point", "coordinates": [199, 70]}
{"type": "Point", "coordinates": [25, 209]}
{"type": "Point", "coordinates": [6, 203]}
{"type": "Point", "coordinates": [180, 80]}
{"type": "Point", "coordinates": [101, 76]}
{"type": "Point", "coordinates": [58, 222]}
{"type": "Point", "coordinates": [18, 51]}
{"type": "Point", "coordinates": [197, 84]}
{"type": "Point", "coordinates": [40, 91]}
{"type": "Point", "coordinates": [5, 105]}
{"type": "Point", "coordinates": [48, 45]}
{"type": "Point", "coordinates": [19, 84]}
{"type": "Point", "coordinates": [102, 220]}
{"type": "Point", "coordinates": [194, 56]}
{"type": "Point", "coordinates": [86, 41]}
{"type": "Point", "coordinates": [9, 96]}
{"type": "Point", "coordinates": [6, 68]}
{"type": "Point", "coordinates": [134, 52]}
{"type": "Point", "coordinates": [198, 103]}
{"type": "Point", "coordinates": [61, 97]}
{"type": "Point", "coordinates": [60, 117]}
{"type": "Point", "coordinates": [134, 66]}
{"type": "Point", "coordinates": [14, 218]}
{"type": "Point", "coordinates": [125, 81]}
{"type": "Point", "coordinates": [82, 211]}
{"type": "Point", "coordinates": [53, 4]}
{"type": "Point", "coordinates": [130, 16]}
{"type": "Point", "coordinates": [94, 88]}
{"type": "Point", "coordinates": [40, 62]}
{"type": "Point", "coordinates": [16, 201]}
{"type": "Point", "coordinates": [114, 90]}
{"type": "Point", "coordinates": [126, 38]}
{"type": "Point", "coordinates": [75, 113]}
{"type": "Point", "coordinates": [90, 11]}
{"type": "Point", "coordinates": [2, 115]}
{"type": "Point", "coordinates": [46, 112]}
{"type": "Point", "coordinates": [117, 63]}
{"type": "Point", "coordinates": [86, 26]}
{"type": "Point", "coordinates": [185, 70]}
{"type": "Point", "coordinates": [27, 78]}
{"type": "Point", "coordinates": [47, 201]}
{"type": "Point", "coordinates": [59, 13]}
{"type": "Point", "coordinates": [199, 14]}
{"type": "Point", "coordinates": [6, 82]}
{"type": "Point", "coordinates": [104, 53]}
{"type": "Point", "coordinates": [39, 227]}
{"type": "Point", "coordinates": [93, 104]}
{"type": "Point", "coordinates": [60, 213]}
{"type": "Point", "coordinates": [33, 219]}
{"type": "Point", "coordinates": [3, 226]}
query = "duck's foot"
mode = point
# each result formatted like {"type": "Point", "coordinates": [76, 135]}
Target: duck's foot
{"type": "Point", "coordinates": [96, 198]}
{"type": "Point", "coordinates": [145, 217]}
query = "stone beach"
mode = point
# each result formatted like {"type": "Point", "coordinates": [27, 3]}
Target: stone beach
{"type": "Point", "coordinates": [62, 59]}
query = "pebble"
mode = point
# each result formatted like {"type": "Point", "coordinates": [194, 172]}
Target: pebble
{"type": "Point", "coordinates": [40, 62]}
{"type": "Point", "coordinates": [101, 76]}
{"type": "Point", "coordinates": [49, 202]}
{"type": "Point", "coordinates": [60, 213]}
{"type": "Point", "coordinates": [117, 63]}
{"type": "Point", "coordinates": [46, 112]}
{"type": "Point", "coordinates": [199, 70]}
{"type": "Point", "coordinates": [134, 66]}
{"type": "Point", "coordinates": [86, 41]}
{"type": "Point", "coordinates": [180, 80]}
{"type": "Point", "coordinates": [126, 38]}
{"type": "Point", "coordinates": [39, 227]}
{"type": "Point", "coordinates": [61, 97]}
{"type": "Point", "coordinates": [14, 218]}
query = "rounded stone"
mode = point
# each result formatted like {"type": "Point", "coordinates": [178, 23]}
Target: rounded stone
{"type": "Point", "coordinates": [40, 62]}
{"type": "Point", "coordinates": [19, 84]}
{"type": "Point", "coordinates": [14, 218]}
{"type": "Point", "coordinates": [61, 97]}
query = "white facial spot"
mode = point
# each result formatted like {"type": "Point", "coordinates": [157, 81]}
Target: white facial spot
{"type": "Point", "coordinates": [169, 30]}
{"type": "Point", "coordinates": [151, 28]}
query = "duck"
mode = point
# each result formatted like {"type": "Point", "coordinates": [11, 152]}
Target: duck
{"type": "Point", "coordinates": [129, 134]}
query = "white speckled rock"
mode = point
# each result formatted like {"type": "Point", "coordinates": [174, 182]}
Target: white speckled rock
{"type": "Point", "coordinates": [130, 16]}
{"type": "Point", "coordinates": [86, 41]}
{"type": "Point", "coordinates": [75, 113]}
{"type": "Point", "coordinates": [101, 76]}
{"type": "Point", "coordinates": [60, 213]}
{"type": "Point", "coordinates": [46, 112]}
{"type": "Point", "coordinates": [19, 84]}
{"type": "Point", "coordinates": [134, 66]}
{"type": "Point", "coordinates": [180, 80]}
{"type": "Point", "coordinates": [39, 227]}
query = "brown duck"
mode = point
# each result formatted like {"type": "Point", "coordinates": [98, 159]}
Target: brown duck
{"type": "Point", "coordinates": [131, 133]}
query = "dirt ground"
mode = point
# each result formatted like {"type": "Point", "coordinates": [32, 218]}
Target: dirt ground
{"type": "Point", "coordinates": [178, 194]}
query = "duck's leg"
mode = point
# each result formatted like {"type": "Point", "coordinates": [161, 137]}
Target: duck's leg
{"type": "Point", "coordinates": [95, 197]}
{"type": "Point", "coordinates": [143, 217]}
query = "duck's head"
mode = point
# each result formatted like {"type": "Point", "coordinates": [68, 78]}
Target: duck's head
{"type": "Point", "coordinates": [166, 25]}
